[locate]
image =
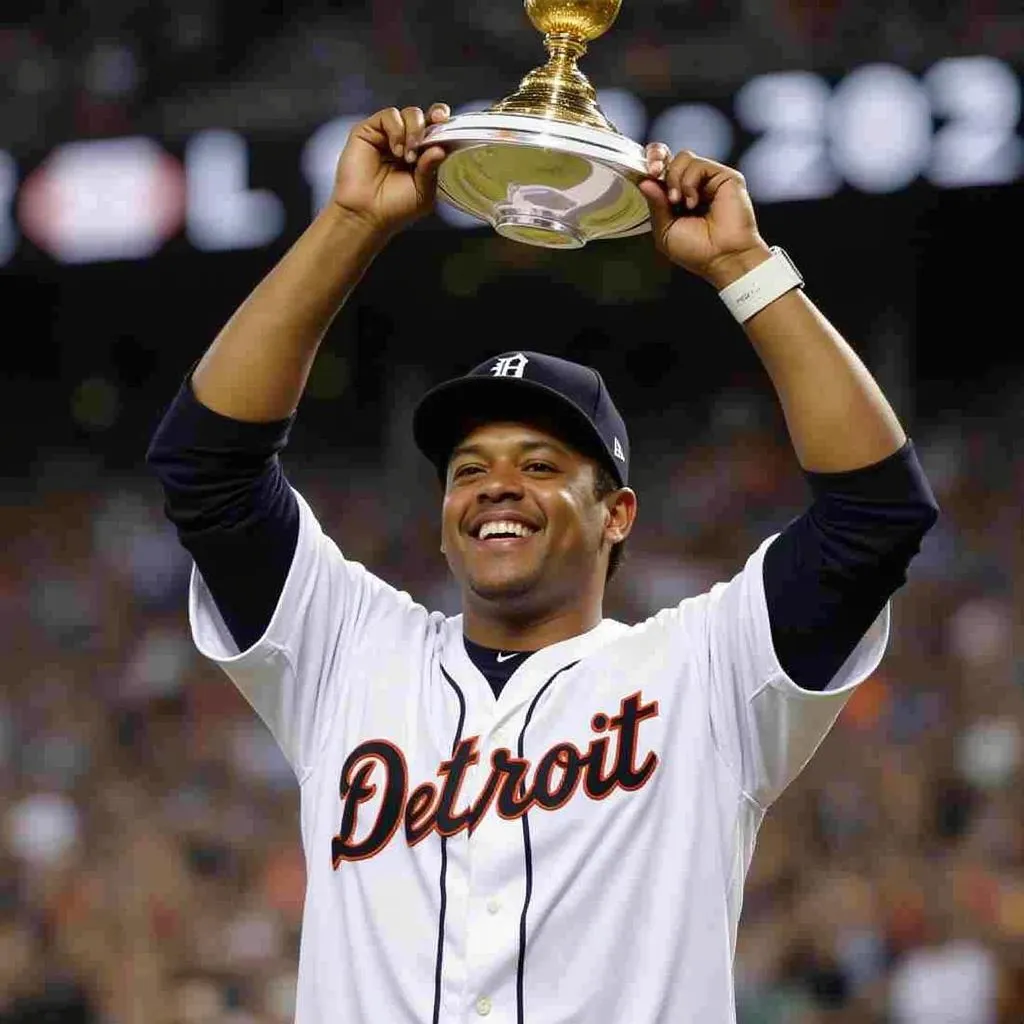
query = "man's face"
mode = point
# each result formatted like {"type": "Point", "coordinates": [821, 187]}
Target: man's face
{"type": "Point", "coordinates": [522, 526]}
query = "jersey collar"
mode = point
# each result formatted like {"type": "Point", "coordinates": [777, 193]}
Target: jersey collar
{"type": "Point", "coordinates": [533, 672]}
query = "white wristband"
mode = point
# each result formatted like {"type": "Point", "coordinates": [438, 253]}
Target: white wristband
{"type": "Point", "coordinates": [762, 285]}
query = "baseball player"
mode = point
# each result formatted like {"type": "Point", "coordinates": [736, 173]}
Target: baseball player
{"type": "Point", "coordinates": [529, 813]}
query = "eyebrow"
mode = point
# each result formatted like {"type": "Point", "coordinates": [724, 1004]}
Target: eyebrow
{"type": "Point", "coordinates": [523, 449]}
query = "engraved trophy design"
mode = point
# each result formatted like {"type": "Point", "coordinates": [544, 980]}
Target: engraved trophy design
{"type": "Point", "coordinates": [544, 166]}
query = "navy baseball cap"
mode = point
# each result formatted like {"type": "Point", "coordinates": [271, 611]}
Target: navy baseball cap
{"type": "Point", "coordinates": [571, 399]}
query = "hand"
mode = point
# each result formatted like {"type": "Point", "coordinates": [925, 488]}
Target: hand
{"type": "Point", "coordinates": [702, 215]}
{"type": "Point", "coordinates": [383, 177]}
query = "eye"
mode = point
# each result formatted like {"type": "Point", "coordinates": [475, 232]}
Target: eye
{"type": "Point", "coordinates": [465, 470]}
{"type": "Point", "coordinates": [537, 466]}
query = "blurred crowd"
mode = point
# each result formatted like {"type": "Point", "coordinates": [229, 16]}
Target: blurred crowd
{"type": "Point", "coordinates": [151, 870]}
{"type": "Point", "coordinates": [69, 68]}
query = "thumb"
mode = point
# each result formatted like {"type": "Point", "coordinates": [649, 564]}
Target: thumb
{"type": "Point", "coordinates": [662, 217]}
{"type": "Point", "coordinates": [425, 173]}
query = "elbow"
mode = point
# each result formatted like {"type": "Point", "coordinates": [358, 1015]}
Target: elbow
{"type": "Point", "coordinates": [154, 456]}
{"type": "Point", "coordinates": [880, 542]}
{"type": "Point", "coordinates": [922, 499]}
{"type": "Point", "coordinates": [925, 516]}
{"type": "Point", "coordinates": [160, 453]}
{"type": "Point", "coordinates": [920, 518]}
{"type": "Point", "coordinates": [921, 507]}
{"type": "Point", "coordinates": [930, 515]}
{"type": "Point", "coordinates": [161, 449]}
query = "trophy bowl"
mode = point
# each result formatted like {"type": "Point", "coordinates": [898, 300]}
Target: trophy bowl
{"type": "Point", "coordinates": [545, 166]}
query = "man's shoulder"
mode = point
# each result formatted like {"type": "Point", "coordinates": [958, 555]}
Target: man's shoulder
{"type": "Point", "coordinates": [664, 628]}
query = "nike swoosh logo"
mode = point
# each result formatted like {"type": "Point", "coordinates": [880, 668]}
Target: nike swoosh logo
{"type": "Point", "coordinates": [504, 657]}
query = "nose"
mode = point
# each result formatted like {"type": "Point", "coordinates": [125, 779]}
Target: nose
{"type": "Point", "coordinates": [502, 483]}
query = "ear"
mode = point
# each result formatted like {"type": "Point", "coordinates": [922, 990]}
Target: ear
{"type": "Point", "coordinates": [621, 507]}
{"type": "Point", "coordinates": [444, 492]}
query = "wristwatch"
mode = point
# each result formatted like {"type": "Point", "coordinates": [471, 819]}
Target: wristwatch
{"type": "Point", "coordinates": [762, 285]}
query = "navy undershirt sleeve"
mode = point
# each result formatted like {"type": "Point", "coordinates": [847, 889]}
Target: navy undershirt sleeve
{"type": "Point", "coordinates": [227, 495]}
{"type": "Point", "coordinates": [830, 572]}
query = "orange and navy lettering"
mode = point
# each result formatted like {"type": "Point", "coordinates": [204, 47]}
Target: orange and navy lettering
{"type": "Point", "coordinates": [430, 808]}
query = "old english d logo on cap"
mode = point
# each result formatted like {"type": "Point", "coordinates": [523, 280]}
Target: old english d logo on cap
{"type": "Point", "coordinates": [509, 366]}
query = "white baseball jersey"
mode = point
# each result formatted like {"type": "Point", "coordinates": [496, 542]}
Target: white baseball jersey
{"type": "Point", "coordinates": [572, 851]}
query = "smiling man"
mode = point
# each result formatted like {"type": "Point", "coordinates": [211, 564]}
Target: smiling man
{"type": "Point", "coordinates": [529, 812]}
{"type": "Point", "coordinates": [532, 453]}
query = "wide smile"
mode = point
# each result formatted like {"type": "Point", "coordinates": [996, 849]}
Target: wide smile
{"type": "Point", "coordinates": [498, 544]}
{"type": "Point", "coordinates": [498, 535]}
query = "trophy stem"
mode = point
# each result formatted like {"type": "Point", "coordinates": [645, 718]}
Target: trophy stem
{"type": "Point", "coordinates": [564, 50]}
{"type": "Point", "coordinates": [559, 90]}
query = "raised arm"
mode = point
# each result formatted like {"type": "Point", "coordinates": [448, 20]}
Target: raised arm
{"type": "Point", "coordinates": [831, 571]}
{"type": "Point", "coordinates": [256, 368]}
{"type": "Point", "coordinates": [215, 451]}
{"type": "Point", "coordinates": [837, 416]}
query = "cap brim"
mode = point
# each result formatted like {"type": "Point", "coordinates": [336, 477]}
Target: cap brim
{"type": "Point", "coordinates": [449, 411]}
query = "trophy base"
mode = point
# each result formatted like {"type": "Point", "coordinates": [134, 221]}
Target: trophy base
{"type": "Point", "coordinates": [532, 229]}
{"type": "Point", "coordinates": [542, 182]}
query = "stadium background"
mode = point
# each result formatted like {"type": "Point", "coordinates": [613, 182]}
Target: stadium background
{"type": "Point", "coordinates": [155, 159]}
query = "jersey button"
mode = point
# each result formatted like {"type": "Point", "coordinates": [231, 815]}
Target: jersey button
{"type": "Point", "coordinates": [483, 1006]}
{"type": "Point", "coordinates": [493, 905]}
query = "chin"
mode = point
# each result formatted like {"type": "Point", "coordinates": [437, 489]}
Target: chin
{"type": "Point", "coordinates": [511, 588]}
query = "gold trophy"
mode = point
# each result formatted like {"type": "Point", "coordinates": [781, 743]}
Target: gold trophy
{"type": "Point", "coordinates": [545, 166]}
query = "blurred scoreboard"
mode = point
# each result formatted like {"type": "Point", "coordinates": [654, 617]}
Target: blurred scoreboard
{"type": "Point", "coordinates": [795, 135]}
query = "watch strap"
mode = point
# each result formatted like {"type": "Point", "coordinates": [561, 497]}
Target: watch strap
{"type": "Point", "coordinates": [762, 285]}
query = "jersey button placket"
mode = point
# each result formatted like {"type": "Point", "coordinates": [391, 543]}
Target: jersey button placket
{"type": "Point", "coordinates": [492, 935]}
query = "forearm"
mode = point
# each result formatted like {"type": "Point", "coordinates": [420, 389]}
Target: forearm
{"type": "Point", "coordinates": [837, 416]}
{"type": "Point", "coordinates": [256, 368]}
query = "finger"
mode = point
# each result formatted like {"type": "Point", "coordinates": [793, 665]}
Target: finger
{"type": "Point", "coordinates": [701, 181]}
{"type": "Point", "coordinates": [692, 179]}
{"type": "Point", "coordinates": [658, 204]}
{"type": "Point", "coordinates": [425, 172]}
{"type": "Point", "coordinates": [394, 128]}
{"type": "Point", "coordinates": [686, 176]}
{"type": "Point", "coordinates": [438, 113]}
{"type": "Point", "coordinates": [415, 122]}
{"type": "Point", "coordinates": [684, 161]}
{"type": "Point", "coordinates": [658, 157]}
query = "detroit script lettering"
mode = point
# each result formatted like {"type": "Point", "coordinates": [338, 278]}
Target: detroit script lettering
{"type": "Point", "coordinates": [432, 808]}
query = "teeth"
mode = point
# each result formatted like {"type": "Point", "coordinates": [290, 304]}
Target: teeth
{"type": "Point", "coordinates": [500, 527]}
